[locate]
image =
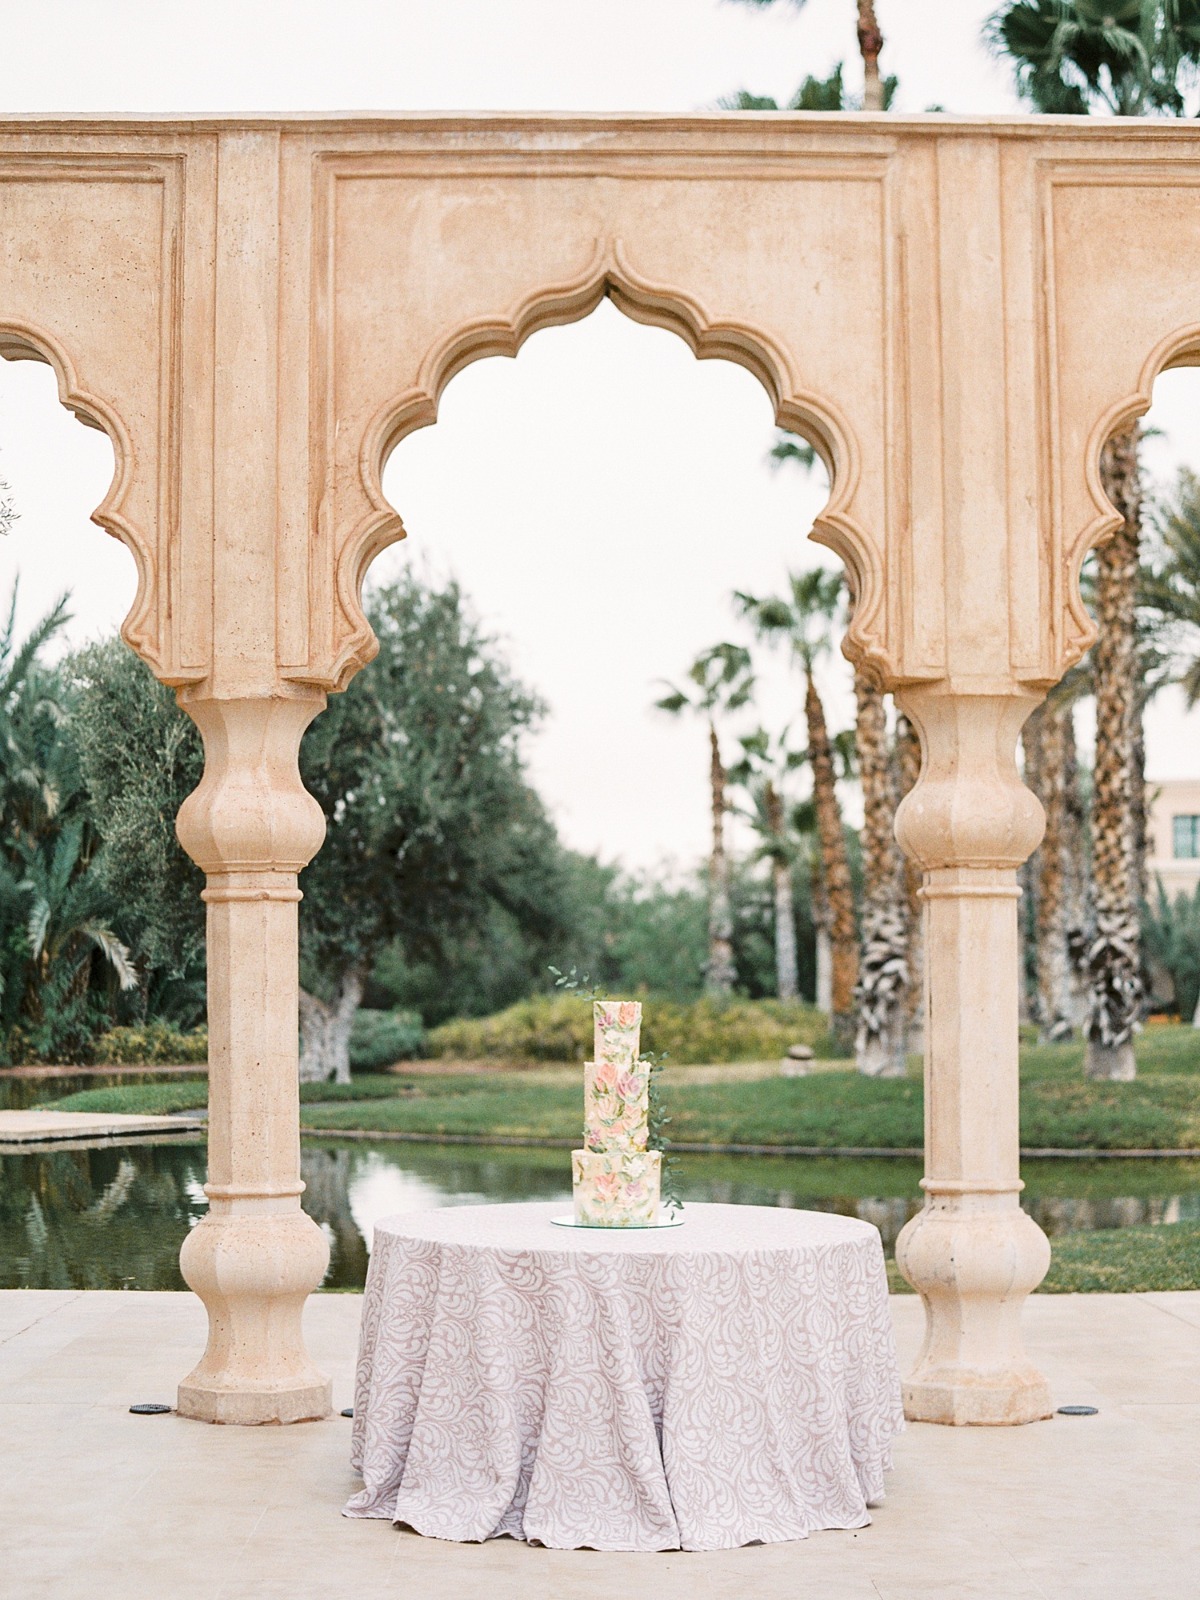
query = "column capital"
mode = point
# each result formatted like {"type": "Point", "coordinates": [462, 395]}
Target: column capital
{"type": "Point", "coordinates": [251, 824]}
{"type": "Point", "coordinates": [969, 808]}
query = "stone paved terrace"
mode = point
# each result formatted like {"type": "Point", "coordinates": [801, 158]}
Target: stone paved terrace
{"type": "Point", "coordinates": [98, 1504]}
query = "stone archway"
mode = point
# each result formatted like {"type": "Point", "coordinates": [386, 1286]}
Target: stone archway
{"type": "Point", "coordinates": [256, 309]}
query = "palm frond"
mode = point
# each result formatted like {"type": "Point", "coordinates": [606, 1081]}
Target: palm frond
{"type": "Point", "coordinates": [672, 703]}
{"type": "Point", "coordinates": [743, 100]}
{"type": "Point", "coordinates": [787, 449]}
{"type": "Point", "coordinates": [114, 952]}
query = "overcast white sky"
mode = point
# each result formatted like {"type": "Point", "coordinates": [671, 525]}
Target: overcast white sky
{"type": "Point", "coordinates": [605, 448]}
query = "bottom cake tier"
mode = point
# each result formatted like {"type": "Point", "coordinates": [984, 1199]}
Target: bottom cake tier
{"type": "Point", "coordinates": [616, 1188]}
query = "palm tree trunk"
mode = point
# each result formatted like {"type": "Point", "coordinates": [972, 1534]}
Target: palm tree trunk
{"type": "Point", "coordinates": [1137, 796]}
{"type": "Point", "coordinates": [1029, 878]}
{"type": "Point", "coordinates": [870, 43]}
{"type": "Point", "coordinates": [787, 972]}
{"type": "Point", "coordinates": [823, 950]}
{"type": "Point", "coordinates": [908, 770]}
{"type": "Point", "coordinates": [720, 974]}
{"type": "Point", "coordinates": [1114, 957]}
{"type": "Point", "coordinates": [835, 869]}
{"type": "Point", "coordinates": [1053, 963]}
{"type": "Point", "coordinates": [880, 1043]}
{"type": "Point", "coordinates": [1076, 880]}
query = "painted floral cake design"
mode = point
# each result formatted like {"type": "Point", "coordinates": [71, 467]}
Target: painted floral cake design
{"type": "Point", "coordinates": [615, 1178]}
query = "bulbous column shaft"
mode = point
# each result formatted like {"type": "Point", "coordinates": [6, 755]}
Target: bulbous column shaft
{"type": "Point", "coordinates": [256, 1256]}
{"type": "Point", "coordinates": [971, 1253]}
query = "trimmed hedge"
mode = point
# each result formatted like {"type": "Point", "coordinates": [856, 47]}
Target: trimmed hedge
{"type": "Point", "coordinates": [152, 1044]}
{"type": "Point", "coordinates": [380, 1038]}
{"type": "Point", "coordinates": [559, 1028]}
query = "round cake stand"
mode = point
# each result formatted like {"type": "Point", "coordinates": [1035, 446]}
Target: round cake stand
{"type": "Point", "coordinates": [672, 1221]}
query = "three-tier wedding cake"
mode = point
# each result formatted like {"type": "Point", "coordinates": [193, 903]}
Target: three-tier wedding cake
{"type": "Point", "coordinates": [615, 1178]}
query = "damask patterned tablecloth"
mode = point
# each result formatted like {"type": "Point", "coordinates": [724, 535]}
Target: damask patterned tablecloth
{"type": "Point", "coordinates": [727, 1381]}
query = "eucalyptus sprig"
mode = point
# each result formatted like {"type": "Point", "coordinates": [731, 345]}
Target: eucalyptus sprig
{"type": "Point", "coordinates": [576, 984]}
{"type": "Point", "coordinates": [656, 1130]}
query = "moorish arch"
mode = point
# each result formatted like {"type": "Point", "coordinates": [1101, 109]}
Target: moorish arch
{"type": "Point", "coordinates": [608, 275]}
{"type": "Point", "coordinates": [257, 309]}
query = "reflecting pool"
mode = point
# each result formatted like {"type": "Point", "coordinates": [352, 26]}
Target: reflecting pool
{"type": "Point", "coordinates": [113, 1217]}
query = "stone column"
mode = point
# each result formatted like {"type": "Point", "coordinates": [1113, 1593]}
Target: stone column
{"type": "Point", "coordinates": [971, 1253]}
{"type": "Point", "coordinates": [256, 1256]}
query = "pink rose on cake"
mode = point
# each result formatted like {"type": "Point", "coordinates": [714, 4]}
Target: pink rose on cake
{"type": "Point", "coordinates": [606, 1184]}
{"type": "Point", "coordinates": [627, 1014]}
{"type": "Point", "coordinates": [604, 1079]}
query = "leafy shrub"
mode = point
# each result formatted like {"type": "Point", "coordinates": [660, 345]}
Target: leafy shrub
{"type": "Point", "coordinates": [1171, 936]}
{"type": "Point", "coordinates": [382, 1037]}
{"type": "Point", "coordinates": [559, 1028]}
{"type": "Point", "coordinates": [151, 1044]}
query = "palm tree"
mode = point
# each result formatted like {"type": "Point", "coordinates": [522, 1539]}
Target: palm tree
{"type": "Point", "coordinates": [1124, 58]}
{"type": "Point", "coordinates": [8, 509]}
{"type": "Point", "coordinates": [1050, 771]}
{"type": "Point", "coordinates": [67, 925]}
{"type": "Point", "coordinates": [805, 619]}
{"type": "Point", "coordinates": [53, 920]}
{"type": "Point", "coordinates": [1170, 586]}
{"type": "Point", "coordinates": [1120, 57]}
{"type": "Point", "coordinates": [762, 771]}
{"type": "Point", "coordinates": [1170, 593]}
{"type": "Point", "coordinates": [907, 758]}
{"type": "Point", "coordinates": [31, 719]}
{"type": "Point", "coordinates": [721, 681]}
{"type": "Point", "coordinates": [881, 1044]}
{"type": "Point", "coordinates": [877, 91]}
{"type": "Point", "coordinates": [803, 821]}
{"type": "Point", "coordinates": [1114, 963]}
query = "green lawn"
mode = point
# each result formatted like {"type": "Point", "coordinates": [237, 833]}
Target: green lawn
{"type": "Point", "coordinates": [191, 1094]}
{"type": "Point", "coordinates": [1114, 1261]}
{"type": "Point", "coordinates": [138, 1099]}
{"type": "Point", "coordinates": [1059, 1108]}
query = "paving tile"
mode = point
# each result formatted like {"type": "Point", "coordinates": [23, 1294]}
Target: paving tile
{"type": "Point", "coordinates": [114, 1507]}
{"type": "Point", "coordinates": [1181, 1303]}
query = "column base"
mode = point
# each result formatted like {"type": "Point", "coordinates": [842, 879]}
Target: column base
{"type": "Point", "coordinates": [961, 1398]}
{"type": "Point", "coordinates": [254, 1270]}
{"type": "Point", "coordinates": [253, 1407]}
{"type": "Point", "coordinates": [974, 1256]}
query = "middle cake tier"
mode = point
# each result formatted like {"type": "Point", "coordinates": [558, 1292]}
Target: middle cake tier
{"type": "Point", "coordinates": [616, 1106]}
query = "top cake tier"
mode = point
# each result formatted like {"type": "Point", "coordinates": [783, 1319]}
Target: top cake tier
{"type": "Point", "coordinates": [617, 1026]}
{"type": "Point", "coordinates": [616, 1083]}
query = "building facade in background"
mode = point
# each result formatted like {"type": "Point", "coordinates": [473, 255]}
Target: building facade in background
{"type": "Point", "coordinates": [1174, 835]}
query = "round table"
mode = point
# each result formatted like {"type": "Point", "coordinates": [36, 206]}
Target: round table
{"type": "Point", "coordinates": [727, 1381]}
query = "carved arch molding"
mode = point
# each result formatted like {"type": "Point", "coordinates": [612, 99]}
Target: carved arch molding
{"type": "Point", "coordinates": [257, 310]}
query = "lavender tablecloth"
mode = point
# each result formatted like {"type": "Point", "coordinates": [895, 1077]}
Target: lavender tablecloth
{"type": "Point", "coordinates": [699, 1387]}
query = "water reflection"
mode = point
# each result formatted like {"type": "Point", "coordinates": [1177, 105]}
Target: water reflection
{"type": "Point", "coordinates": [107, 1218]}
{"type": "Point", "coordinates": [115, 1217]}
